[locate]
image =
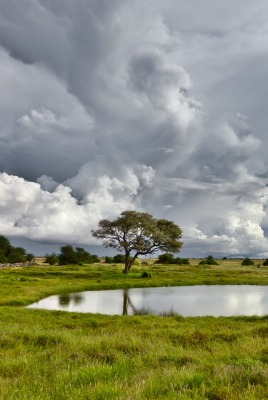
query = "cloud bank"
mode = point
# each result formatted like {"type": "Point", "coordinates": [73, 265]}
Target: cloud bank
{"type": "Point", "coordinates": [108, 106]}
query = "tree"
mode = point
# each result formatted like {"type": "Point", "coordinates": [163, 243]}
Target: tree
{"type": "Point", "coordinates": [168, 258]}
{"type": "Point", "coordinates": [52, 259]}
{"type": "Point", "coordinates": [137, 233]}
{"type": "Point", "coordinates": [69, 255]}
{"type": "Point", "coordinates": [119, 259]}
{"type": "Point", "coordinates": [209, 260]}
{"type": "Point", "coordinates": [247, 261]}
{"type": "Point", "coordinates": [30, 257]}
{"type": "Point", "coordinates": [11, 254]}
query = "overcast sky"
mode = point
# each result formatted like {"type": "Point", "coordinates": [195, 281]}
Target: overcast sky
{"type": "Point", "coordinates": [152, 105]}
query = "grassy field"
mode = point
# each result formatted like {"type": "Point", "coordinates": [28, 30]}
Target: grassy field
{"type": "Point", "coordinates": [60, 355]}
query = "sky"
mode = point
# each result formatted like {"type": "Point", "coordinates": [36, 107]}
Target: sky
{"type": "Point", "coordinates": [150, 105]}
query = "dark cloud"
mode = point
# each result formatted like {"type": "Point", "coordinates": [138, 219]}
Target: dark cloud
{"type": "Point", "coordinates": [110, 105]}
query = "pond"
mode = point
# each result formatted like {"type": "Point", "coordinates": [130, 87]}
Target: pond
{"type": "Point", "coordinates": [229, 300]}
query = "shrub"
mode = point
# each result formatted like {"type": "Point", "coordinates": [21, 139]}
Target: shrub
{"type": "Point", "coordinates": [168, 258]}
{"type": "Point", "coordinates": [78, 256]}
{"type": "Point", "coordinates": [51, 259]}
{"type": "Point", "coordinates": [247, 261]}
{"type": "Point", "coordinates": [108, 260]}
{"type": "Point", "coordinates": [119, 259]}
{"type": "Point", "coordinates": [145, 274]}
{"type": "Point", "coordinates": [209, 260]}
{"type": "Point", "coordinates": [181, 261]}
{"type": "Point", "coordinates": [30, 257]}
{"type": "Point", "coordinates": [265, 262]}
{"type": "Point", "coordinates": [10, 254]}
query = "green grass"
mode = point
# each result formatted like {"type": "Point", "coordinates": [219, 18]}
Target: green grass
{"type": "Point", "coordinates": [59, 355]}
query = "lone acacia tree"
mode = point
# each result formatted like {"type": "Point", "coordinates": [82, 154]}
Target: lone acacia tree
{"type": "Point", "coordinates": [138, 233]}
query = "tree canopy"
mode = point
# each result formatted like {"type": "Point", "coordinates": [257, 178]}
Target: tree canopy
{"type": "Point", "coordinates": [138, 233]}
{"type": "Point", "coordinates": [11, 254]}
{"type": "Point", "coordinates": [69, 255]}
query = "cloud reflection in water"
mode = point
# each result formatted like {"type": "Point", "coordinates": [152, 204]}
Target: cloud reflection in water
{"type": "Point", "coordinates": [185, 300]}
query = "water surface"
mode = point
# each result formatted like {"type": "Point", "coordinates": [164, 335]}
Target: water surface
{"type": "Point", "coordinates": [229, 300]}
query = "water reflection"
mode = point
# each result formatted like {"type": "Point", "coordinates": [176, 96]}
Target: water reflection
{"type": "Point", "coordinates": [184, 300]}
{"type": "Point", "coordinates": [129, 308]}
{"type": "Point", "coordinates": [66, 299]}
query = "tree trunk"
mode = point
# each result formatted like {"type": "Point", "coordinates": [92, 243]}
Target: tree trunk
{"type": "Point", "coordinates": [129, 262]}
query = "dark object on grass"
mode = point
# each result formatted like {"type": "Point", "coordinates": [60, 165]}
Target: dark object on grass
{"type": "Point", "coordinates": [145, 274]}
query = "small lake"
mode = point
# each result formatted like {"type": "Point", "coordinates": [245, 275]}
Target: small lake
{"type": "Point", "coordinates": [229, 300]}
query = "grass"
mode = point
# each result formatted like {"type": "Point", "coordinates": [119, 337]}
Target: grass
{"type": "Point", "coordinates": [59, 355]}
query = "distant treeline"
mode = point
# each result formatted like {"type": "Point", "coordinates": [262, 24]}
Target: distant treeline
{"type": "Point", "coordinates": [12, 255]}
{"type": "Point", "coordinates": [70, 255]}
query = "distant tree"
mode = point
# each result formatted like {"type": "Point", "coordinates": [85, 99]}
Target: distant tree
{"type": "Point", "coordinates": [108, 260]}
{"type": "Point", "coordinates": [168, 258]}
{"type": "Point", "coordinates": [30, 257]}
{"type": "Point", "coordinates": [247, 261]}
{"type": "Point", "coordinates": [5, 245]}
{"type": "Point", "coordinates": [80, 256]}
{"type": "Point", "coordinates": [119, 259]}
{"type": "Point", "coordinates": [181, 261]}
{"type": "Point", "coordinates": [67, 255]}
{"type": "Point", "coordinates": [16, 255]}
{"type": "Point", "coordinates": [265, 262]}
{"type": "Point", "coordinates": [11, 254]}
{"type": "Point", "coordinates": [209, 260]}
{"type": "Point", "coordinates": [139, 233]}
{"type": "Point", "coordinates": [95, 258]}
{"type": "Point", "coordinates": [51, 259]}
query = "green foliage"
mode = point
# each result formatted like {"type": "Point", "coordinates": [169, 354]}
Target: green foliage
{"type": "Point", "coordinates": [52, 259]}
{"type": "Point", "coordinates": [209, 260]}
{"type": "Point", "coordinates": [168, 258]}
{"type": "Point", "coordinates": [139, 233]}
{"type": "Point", "coordinates": [30, 257]}
{"type": "Point", "coordinates": [68, 255]}
{"type": "Point", "coordinates": [108, 260]}
{"type": "Point", "coordinates": [145, 274]}
{"type": "Point", "coordinates": [265, 262]}
{"type": "Point", "coordinates": [247, 261]}
{"type": "Point", "coordinates": [10, 254]}
{"type": "Point", "coordinates": [119, 259]}
{"type": "Point", "coordinates": [79, 256]}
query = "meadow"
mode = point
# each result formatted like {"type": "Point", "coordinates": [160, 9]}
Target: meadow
{"type": "Point", "coordinates": [60, 355]}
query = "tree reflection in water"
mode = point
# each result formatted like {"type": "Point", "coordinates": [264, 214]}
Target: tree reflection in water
{"type": "Point", "coordinates": [129, 306]}
{"type": "Point", "coordinates": [66, 299]}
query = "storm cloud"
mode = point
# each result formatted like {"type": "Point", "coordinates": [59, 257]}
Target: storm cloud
{"type": "Point", "coordinates": [110, 105]}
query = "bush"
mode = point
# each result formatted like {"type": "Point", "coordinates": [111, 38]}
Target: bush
{"type": "Point", "coordinates": [145, 274]}
{"type": "Point", "coordinates": [108, 260]}
{"type": "Point", "coordinates": [119, 259]}
{"type": "Point", "coordinates": [165, 258]}
{"type": "Point", "coordinates": [265, 262]}
{"type": "Point", "coordinates": [51, 259]}
{"type": "Point", "coordinates": [247, 261]}
{"type": "Point", "coordinates": [16, 255]}
{"type": "Point", "coordinates": [10, 254]}
{"type": "Point", "coordinates": [168, 258]}
{"type": "Point", "coordinates": [181, 261]}
{"type": "Point", "coordinates": [209, 260]}
{"type": "Point", "coordinates": [30, 257]}
{"type": "Point", "coordinates": [78, 256]}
